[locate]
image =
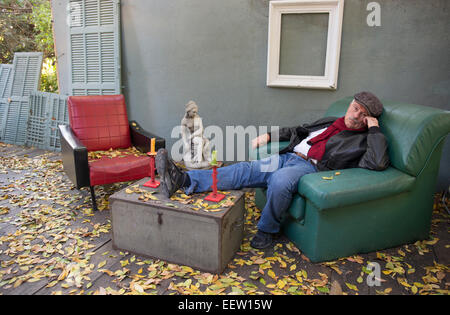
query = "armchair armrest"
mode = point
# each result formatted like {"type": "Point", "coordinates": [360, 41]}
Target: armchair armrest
{"type": "Point", "coordinates": [353, 186]}
{"type": "Point", "coordinates": [141, 138]}
{"type": "Point", "coordinates": [74, 157]}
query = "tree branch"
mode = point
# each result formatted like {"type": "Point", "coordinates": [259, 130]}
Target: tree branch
{"type": "Point", "coordinates": [17, 9]}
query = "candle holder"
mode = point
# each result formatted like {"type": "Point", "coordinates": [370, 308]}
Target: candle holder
{"type": "Point", "coordinates": [214, 196]}
{"type": "Point", "coordinates": [152, 183]}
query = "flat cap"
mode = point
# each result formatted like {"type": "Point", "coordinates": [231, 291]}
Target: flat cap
{"type": "Point", "coordinates": [370, 102]}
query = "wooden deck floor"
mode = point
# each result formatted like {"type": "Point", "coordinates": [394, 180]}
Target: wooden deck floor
{"type": "Point", "coordinates": [52, 243]}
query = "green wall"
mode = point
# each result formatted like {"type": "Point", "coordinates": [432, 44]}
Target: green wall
{"type": "Point", "coordinates": [215, 53]}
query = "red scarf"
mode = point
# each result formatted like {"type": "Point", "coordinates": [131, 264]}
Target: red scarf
{"type": "Point", "coordinates": [318, 143]}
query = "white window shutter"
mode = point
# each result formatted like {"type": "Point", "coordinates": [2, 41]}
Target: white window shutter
{"type": "Point", "coordinates": [94, 47]}
{"type": "Point", "coordinates": [6, 73]}
{"type": "Point", "coordinates": [37, 120]}
{"type": "Point", "coordinates": [47, 111]}
{"type": "Point", "coordinates": [59, 115]}
{"type": "Point", "coordinates": [26, 75]}
{"type": "Point", "coordinates": [5, 80]}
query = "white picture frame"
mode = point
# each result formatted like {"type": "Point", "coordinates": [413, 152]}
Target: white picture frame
{"type": "Point", "coordinates": [335, 10]}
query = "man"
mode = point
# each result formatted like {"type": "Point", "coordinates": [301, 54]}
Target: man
{"type": "Point", "coordinates": [331, 143]}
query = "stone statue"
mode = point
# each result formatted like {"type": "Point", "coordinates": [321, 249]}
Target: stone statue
{"type": "Point", "coordinates": [196, 148]}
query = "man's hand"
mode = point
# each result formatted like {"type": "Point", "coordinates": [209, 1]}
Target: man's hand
{"type": "Point", "coordinates": [261, 140]}
{"type": "Point", "coordinates": [371, 122]}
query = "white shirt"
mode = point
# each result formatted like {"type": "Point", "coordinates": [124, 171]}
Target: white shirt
{"type": "Point", "coordinates": [303, 147]}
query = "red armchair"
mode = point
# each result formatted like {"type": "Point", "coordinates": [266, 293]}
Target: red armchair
{"type": "Point", "coordinates": [100, 123]}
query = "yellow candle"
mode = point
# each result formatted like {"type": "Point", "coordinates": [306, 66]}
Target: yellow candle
{"type": "Point", "coordinates": [214, 158]}
{"type": "Point", "coordinates": [152, 150]}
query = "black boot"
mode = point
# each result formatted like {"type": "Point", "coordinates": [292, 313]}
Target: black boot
{"type": "Point", "coordinates": [172, 178]}
{"type": "Point", "coordinates": [261, 240]}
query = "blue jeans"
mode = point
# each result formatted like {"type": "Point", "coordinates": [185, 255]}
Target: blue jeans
{"type": "Point", "coordinates": [280, 174]}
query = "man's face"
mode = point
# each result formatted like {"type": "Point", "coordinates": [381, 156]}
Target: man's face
{"type": "Point", "coordinates": [355, 118]}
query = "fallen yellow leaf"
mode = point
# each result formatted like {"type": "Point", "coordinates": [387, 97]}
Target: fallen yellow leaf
{"type": "Point", "coordinates": [351, 286]}
{"type": "Point", "coordinates": [281, 284]}
{"type": "Point", "coordinates": [271, 274]}
{"type": "Point", "coordinates": [100, 265]}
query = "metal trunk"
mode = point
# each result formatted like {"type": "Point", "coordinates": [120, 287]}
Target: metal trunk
{"type": "Point", "coordinates": [172, 231]}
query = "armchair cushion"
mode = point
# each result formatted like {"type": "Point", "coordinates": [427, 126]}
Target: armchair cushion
{"type": "Point", "coordinates": [125, 167]}
{"type": "Point", "coordinates": [100, 122]}
{"type": "Point", "coordinates": [353, 186]}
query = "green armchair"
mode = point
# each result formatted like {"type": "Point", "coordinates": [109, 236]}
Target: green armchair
{"type": "Point", "coordinates": [358, 210]}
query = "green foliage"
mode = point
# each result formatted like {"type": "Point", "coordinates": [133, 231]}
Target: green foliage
{"type": "Point", "coordinates": [26, 25]}
{"type": "Point", "coordinates": [49, 82]}
{"type": "Point", "coordinates": [41, 17]}
{"type": "Point", "coordinates": [16, 29]}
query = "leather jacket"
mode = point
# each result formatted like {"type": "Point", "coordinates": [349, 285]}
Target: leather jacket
{"type": "Point", "coordinates": [347, 149]}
